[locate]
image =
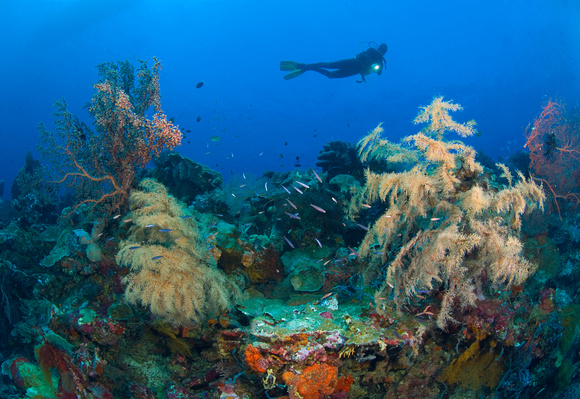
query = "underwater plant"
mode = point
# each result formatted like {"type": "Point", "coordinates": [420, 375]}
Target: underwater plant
{"type": "Point", "coordinates": [171, 271]}
{"type": "Point", "coordinates": [100, 166]}
{"type": "Point", "coordinates": [445, 227]}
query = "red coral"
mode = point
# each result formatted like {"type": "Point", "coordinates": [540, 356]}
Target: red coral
{"type": "Point", "coordinates": [265, 266]}
{"type": "Point", "coordinates": [326, 314]}
{"type": "Point", "coordinates": [101, 166]}
{"type": "Point", "coordinates": [50, 357]}
{"type": "Point", "coordinates": [314, 382]}
{"type": "Point", "coordinates": [546, 300]}
{"type": "Point", "coordinates": [554, 144]}
{"type": "Point", "coordinates": [16, 372]}
{"type": "Point", "coordinates": [342, 387]}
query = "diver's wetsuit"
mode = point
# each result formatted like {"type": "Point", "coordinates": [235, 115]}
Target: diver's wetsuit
{"type": "Point", "coordinates": [365, 63]}
{"type": "Point", "coordinates": [361, 64]}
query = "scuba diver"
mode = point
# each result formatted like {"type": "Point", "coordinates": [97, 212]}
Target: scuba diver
{"type": "Point", "coordinates": [371, 60]}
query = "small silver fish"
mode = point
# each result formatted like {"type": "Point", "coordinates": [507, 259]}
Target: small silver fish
{"type": "Point", "coordinates": [353, 252]}
{"type": "Point", "coordinates": [319, 209]}
{"type": "Point", "coordinates": [318, 242]}
{"type": "Point", "coordinates": [365, 228]}
{"type": "Point", "coordinates": [149, 225]}
{"type": "Point", "coordinates": [316, 174]}
{"type": "Point", "coordinates": [326, 296]}
{"type": "Point", "coordinates": [297, 189]}
{"type": "Point", "coordinates": [291, 204]}
{"type": "Point", "coordinates": [289, 242]}
{"type": "Point", "coordinates": [302, 184]}
{"type": "Point", "coordinates": [293, 215]}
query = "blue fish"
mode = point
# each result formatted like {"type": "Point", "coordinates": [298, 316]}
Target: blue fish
{"type": "Point", "coordinates": [186, 217]}
{"type": "Point", "coordinates": [157, 257]}
{"type": "Point", "coordinates": [165, 230]}
{"type": "Point", "coordinates": [135, 247]}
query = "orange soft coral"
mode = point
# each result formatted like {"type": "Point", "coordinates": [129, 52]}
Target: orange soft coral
{"type": "Point", "coordinates": [314, 382]}
{"type": "Point", "coordinates": [255, 360]}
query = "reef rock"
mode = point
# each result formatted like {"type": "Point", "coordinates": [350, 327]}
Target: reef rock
{"type": "Point", "coordinates": [338, 157]}
{"type": "Point", "coordinates": [305, 274]}
{"type": "Point", "coordinates": [309, 280]}
{"type": "Point", "coordinates": [184, 178]}
{"type": "Point", "coordinates": [346, 183]}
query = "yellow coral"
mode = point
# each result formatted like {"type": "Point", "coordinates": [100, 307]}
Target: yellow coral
{"type": "Point", "coordinates": [171, 271]}
{"type": "Point", "coordinates": [437, 113]}
{"type": "Point", "coordinates": [442, 228]}
{"type": "Point", "coordinates": [474, 368]}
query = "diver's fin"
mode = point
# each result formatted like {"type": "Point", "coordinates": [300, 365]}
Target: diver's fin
{"type": "Point", "coordinates": [288, 65]}
{"type": "Point", "coordinates": [293, 75]}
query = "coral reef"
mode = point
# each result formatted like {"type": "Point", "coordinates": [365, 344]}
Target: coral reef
{"type": "Point", "coordinates": [416, 278]}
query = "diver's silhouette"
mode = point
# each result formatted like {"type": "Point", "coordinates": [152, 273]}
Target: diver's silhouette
{"type": "Point", "coordinates": [369, 61]}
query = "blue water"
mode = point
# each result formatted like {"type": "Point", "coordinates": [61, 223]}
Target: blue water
{"type": "Point", "coordinates": [499, 59]}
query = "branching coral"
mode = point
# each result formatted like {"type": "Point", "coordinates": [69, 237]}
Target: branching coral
{"type": "Point", "coordinates": [554, 143]}
{"type": "Point", "coordinates": [443, 228]}
{"type": "Point", "coordinates": [171, 271]}
{"type": "Point", "coordinates": [100, 166]}
{"type": "Point", "coordinates": [440, 122]}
